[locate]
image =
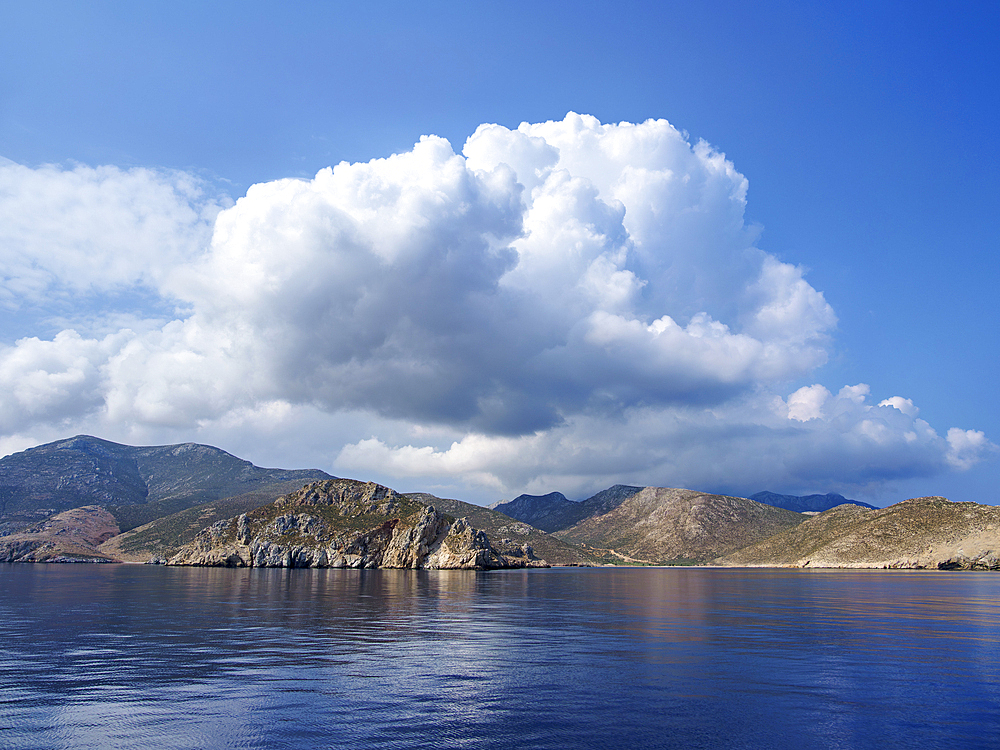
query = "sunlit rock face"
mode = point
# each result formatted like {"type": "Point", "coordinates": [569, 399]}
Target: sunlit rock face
{"type": "Point", "coordinates": [343, 523]}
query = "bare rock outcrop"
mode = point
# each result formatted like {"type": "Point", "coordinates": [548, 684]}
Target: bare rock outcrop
{"type": "Point", "coordinates": [510, 537]}
{"type": "Point", "coordinates": [342, 523]}
{"type": "Point", "coordinates": [988, 560]}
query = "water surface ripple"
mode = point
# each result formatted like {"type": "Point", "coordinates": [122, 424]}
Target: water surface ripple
{"type": "Point", "coordinates": [123, 656]}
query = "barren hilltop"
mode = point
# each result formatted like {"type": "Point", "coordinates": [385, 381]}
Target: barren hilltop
{"type": "Point", "coordinates": [925, 532]}
{"type": "Point", "coordinates": [662, 525]}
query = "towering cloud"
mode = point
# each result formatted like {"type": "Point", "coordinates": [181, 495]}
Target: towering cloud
{"type": "Point", "coordinates": [569, 302]}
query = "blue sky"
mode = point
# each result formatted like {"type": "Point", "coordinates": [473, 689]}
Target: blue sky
{"type": "Point", "coordinates": [866, 133]}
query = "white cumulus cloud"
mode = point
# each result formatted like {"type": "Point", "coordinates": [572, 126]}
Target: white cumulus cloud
{"type": "Point", "coordinates": [566, 301]}
{"type": "Point", "coordinates": [67, 231]}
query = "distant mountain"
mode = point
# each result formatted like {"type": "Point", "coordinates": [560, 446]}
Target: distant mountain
{"type": "Point", "coordinates": [663, 525]}
{"type": "Point", "coordinates": [609, 499]}
{"type": "Point", "coordinates": [136, 484]}
{"type": "Point", "coordinates": [806, 503]}
{"type": "Point", "coordinates": [925, 532]}
{"type": "Point", "coordinates": [553, 511]}
{"type": "Point", "coordinates": [546, 512]}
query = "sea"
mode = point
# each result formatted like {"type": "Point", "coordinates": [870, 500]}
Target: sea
{"type": "Point", "coordinates": [133, 656]}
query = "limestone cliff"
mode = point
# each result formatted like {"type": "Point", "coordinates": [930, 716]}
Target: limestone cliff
{"type": "Point", "coordinates": [509, 536]}
{"type": "Point", "coordinates": [343, 523]}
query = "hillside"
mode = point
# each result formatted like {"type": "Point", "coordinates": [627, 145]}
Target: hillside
{"type": "Point", "coordinates": [70, 536]}
{"type": "Point", "coordinates": [663, 525]}
{"type": "Point", "coordinates": [926, 532]}
{"type": "Point", "coordinates": [137, 484]}
{"type": "Point", "coordinates": [68, 501]}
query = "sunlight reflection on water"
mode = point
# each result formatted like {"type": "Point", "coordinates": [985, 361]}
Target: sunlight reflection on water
{"type": "Point", "coordinates": [153, 657]}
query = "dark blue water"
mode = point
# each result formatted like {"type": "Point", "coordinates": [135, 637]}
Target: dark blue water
{"type": "Point", "coordinates": [102, 656]}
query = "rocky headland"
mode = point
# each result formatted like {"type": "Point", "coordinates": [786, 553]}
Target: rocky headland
{"type": "Point", "coordinates": [164, 536]}
{"type": "Point", "coordinates": [508, 535]}
{"type": "Point", "coordinates": [342, 523]}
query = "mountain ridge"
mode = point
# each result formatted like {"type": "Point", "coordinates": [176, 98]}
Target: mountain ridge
{"type": "Point", "coordinates": [553, 512]}
{"type": "Point", "coordinates": [114, 489]}
{"type": "Point", "coordinates": [806, 503]}
{"type": "Point", "coordinates": [133, 482]}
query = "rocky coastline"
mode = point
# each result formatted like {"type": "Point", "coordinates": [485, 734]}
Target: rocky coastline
{"type": "Point", "coordinates": [347, 524]}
